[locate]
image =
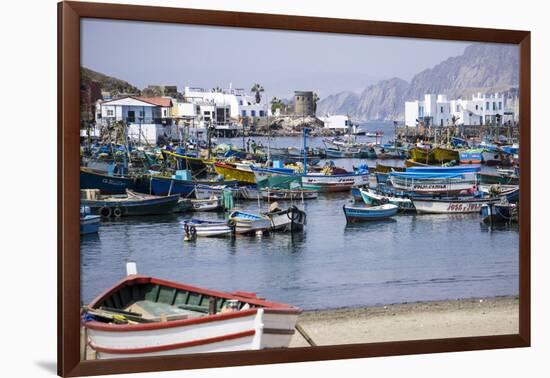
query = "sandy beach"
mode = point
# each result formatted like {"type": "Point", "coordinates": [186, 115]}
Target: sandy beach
{"type": "Point", "coordinates": [410, 321]}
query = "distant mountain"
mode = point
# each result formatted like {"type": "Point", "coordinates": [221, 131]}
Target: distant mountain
{"type": "Point", "coordinates": [107, 83]}
{"type": "Point", "coordinates": [481, 68]}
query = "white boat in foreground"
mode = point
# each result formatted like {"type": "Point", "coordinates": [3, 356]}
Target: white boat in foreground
{"type": "Point", "coordinates": [144, 316]}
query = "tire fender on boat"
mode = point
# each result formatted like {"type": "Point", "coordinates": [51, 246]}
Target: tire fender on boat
{"type": "Point", "coordinates": [105, 212]}
{"type": "Point", "coordinates": [117, 212]}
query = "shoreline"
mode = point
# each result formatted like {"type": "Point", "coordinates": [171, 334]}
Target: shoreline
{"type": "Point", "coordinates": [410, 321]}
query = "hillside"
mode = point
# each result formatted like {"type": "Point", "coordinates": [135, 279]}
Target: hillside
{"type": "Point", "coordinates": [481, 68]}
{"type": "Point", "coordinates": [107, 83]}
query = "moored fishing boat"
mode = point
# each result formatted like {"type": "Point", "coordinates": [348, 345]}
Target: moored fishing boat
{"type": "Point", "coordinates": [203, 228]}
{"type": "Point", "coordinates": [499, 213]}
{"type": "Point", "coordinates": [132, 204]}
{"type": "Point", "coordinates": [374, 198]}
{"type": "Point", "coordinates": [471, 156]}
{"type": "Point", "coordinates": [145, 316]}
{"type": "Point", "coordinates": [162, 186]}
{"type": "Point", "coordinates": [488, 178]}
{"type": "Point", "coordinates": [434, 183]}
{"type": "Point", "coordinates": [288, 194]}
{"type": "Point", "coordinates": [248, 223]}
{"type": "Point", "coordinates": [361, 214]}
{"type": "Point", "coordinates": [233, 172]}
{"type": "Point", "coordinates": [292, 219]}
{"type": "Point", "coordinates": [89, 224]}
{"type": "Point", "coordinates": [107, 184]}
{"type": "Point", "coordinates": [210, 204]}
{"type": "Point", "coordinates": [451, 206]}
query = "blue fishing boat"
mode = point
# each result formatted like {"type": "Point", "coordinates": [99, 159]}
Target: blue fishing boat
{"type": "Point", "coordinates": [107, 184]}
{"type": "Point", "coordinates": [361, 214]}
{"type": "Point", "coordinates": [162, 186]}
{"type": "Point", "coordinates": [89, 224]}
{"type": "Point", "coordinates": [131, 204]}
{"type": "Point", "coordinates": [469, 168]}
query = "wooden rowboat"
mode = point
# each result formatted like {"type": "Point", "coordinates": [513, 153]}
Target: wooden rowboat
{"type": "Point", "coordinates": [144, 316]}
{"type": "Point", "coordinates": [361, 214]}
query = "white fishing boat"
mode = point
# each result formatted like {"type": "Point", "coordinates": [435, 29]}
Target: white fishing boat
{"type": "Point", "coordinates": [292, 219]}
{"type": "Point", "coordinates": [197, 227]}
{"type": "Point", "coordinates": [451, 206]}
{"type": "Point", "coordinates": [210, 204]}
{"type": "Point", "coordinates": [288, 194]}
{"type": "Point", "coordinates": [374, 198]}
{"type": "Point", "coordinates": [144, 316]}
{"type": "Point", "coordinates": [208, 191]}
{"type": "Point", "coordinates": [248, 223]}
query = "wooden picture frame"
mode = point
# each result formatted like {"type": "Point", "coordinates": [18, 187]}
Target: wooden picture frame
{"type": "Point", "coordinates": [69, 15]}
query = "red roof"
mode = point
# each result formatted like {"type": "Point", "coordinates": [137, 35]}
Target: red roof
{"type": "Point", "coordinates": [159, 101]}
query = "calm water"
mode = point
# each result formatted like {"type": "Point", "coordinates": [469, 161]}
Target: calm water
{"type": "Point", "coordinates": [408, 258]}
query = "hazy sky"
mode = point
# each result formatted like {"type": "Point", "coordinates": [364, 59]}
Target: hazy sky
{"type": "Point", "coordinates": [145, 53]}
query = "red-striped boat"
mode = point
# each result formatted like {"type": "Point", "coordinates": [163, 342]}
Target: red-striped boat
{"type": "Point", "coordinates": [146, 316]}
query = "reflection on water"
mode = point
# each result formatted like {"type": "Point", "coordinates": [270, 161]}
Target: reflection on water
{"type": "Point", "coordinates": [408, 258]}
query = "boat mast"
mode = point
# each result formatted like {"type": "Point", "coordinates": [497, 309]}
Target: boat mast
{"type": "Point", "coordinates": [305, 129]}
{"type": "Point", "coordinates": [268, 131]}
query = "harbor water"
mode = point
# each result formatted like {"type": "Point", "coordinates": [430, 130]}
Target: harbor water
{"type": "Point", "coordinates": [408, 258]}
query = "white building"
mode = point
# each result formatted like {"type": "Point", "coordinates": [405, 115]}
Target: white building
{"type": "Point", "coordinates": [482, 109]}
{"type": "Point", "coordinates": [147, 118]}
{"type": "Point", "coordinates": [229, 104]}
{"type": "Point", "coordinates": [336, 122]}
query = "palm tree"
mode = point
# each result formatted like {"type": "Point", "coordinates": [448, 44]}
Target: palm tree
{"type": "Point", "coordinates": [257, 89]}
{"type": "Point", "coordinates": [276, 104]}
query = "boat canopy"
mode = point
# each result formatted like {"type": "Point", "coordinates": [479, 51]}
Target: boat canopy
{"type": "Point", "coordinates": [427, 175]}
{"type": "Point", "coordinates": [461, 169]}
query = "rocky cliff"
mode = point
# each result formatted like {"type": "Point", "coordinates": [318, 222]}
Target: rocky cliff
{"type": "Point", "coordinates": [481, 68]}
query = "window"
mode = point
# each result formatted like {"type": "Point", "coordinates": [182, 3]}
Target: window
{"type": "Point", "coordinates": [500, 105]}
{"type": "Point", "coordinates": [243, 113]}
{"type": "Point", "coordinates": [253, 113]}
{"type": "Point", "coordinates": [164, 112]}
{"type": "Point", "coordinates": [262, 113]}
{"type": "Point", "coordinates": [442, 109]}
{"type": "Point", "coordinates": [494, 106]}
{"type": "Point", "coordinates": [487, 105]}
{"type": "Point", "coordinates": [240, 102]}
{"type": "Point", "coordinates": [477, 107]}
{"type": "Point", "coordinates": [207, 112]}
{"type": "Point", "coordinates": [110, 113]}
{"type": "Point", "coordinates": [141, 114]}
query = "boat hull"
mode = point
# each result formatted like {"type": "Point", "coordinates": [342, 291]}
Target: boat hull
{"type": "Point", "coordinates": [433, 206]}
{"type": "Point", "coordinates": [365, 214]}
{"type": "Point", "coordinates": [132, 207]}
{"type": "Point", "coordinates": [105, 183]}
{"type": "Point", "coordinates": [162, 186]}
{"type": "Point", "coordinates": [233, 173]}
{"type": "Point", "coordinates": [194, 228]}
{"type": "Point", "coordinates": [245, 223]}
{"type": "Point", "coordinates": [261, 325]}
{"type": "Point", "coordinates": [89, 224]}
{"type": "Point", "coordinates": [372, 198]}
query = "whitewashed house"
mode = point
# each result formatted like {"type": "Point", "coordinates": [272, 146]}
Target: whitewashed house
{"type": "Point", "coordinates": [336, 122]}
{"type": "Point", "coordinates": [482, 109]}
{"type": "Point", "coordinates": [148, 119]}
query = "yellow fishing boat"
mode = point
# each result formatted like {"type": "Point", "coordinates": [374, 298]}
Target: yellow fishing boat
{"type": "Point", "coordinates": [419, 154]}
{"type": "Point", "coordinates": [232, 172]}
{"type": "Point", "coordinates": [444, 155]}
